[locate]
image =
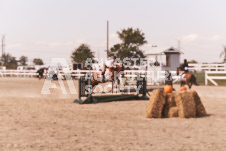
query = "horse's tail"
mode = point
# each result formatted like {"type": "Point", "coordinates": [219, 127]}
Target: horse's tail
{"type": "Point", "coordinates": [194, 80]}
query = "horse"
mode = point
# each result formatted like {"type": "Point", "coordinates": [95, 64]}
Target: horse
{"type": "Point", "coordinates": [113, 74]}
{"type": "Point", "coordinates": [189, 77]}
{"type": "Point", "coordinates": [40, 72]}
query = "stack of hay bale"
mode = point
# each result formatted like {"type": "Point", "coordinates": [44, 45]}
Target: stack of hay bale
{"type": "Point", "coordinates": [183, 104]}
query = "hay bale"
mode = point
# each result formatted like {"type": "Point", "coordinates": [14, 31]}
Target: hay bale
{"type": "Point", "coordinates": [186, 104]}
{"type": "Point", "coordinates": [173, 112]}
{"type": "Point", "coordinates": [155, 104]}
{"type": "Point", "coordinates": [200, 109]}
{"type": "Point", "coordinates": [170, 102]}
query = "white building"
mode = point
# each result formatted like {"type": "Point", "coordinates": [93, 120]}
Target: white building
{"type": "Point", "coordinates": [168, 59]}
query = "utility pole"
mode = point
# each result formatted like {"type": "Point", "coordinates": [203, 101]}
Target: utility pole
{"type": "Point", "coordinates": [3, 46]}
{"type": "Point", "coordinates": [107, 40]}
{"type": "Point", "coordinates": [179, 44]}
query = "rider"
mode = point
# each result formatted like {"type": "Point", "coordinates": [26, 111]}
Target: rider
{"type": "Point", "coordinates": [110, 64]}
{"type": "Point", "coordinates": [185, 66]}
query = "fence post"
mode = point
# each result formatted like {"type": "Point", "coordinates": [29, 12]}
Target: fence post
{"type": "Point", "coordinates": [90, 83]}
{"type": "Point", "coordinates": [138, 82]}
{"type": "Point", "coordinates": [79, 88]}
{"type": "Point", "coordinates": [144, 85]}
{"type": "Point", "coordinates": [206, 80]}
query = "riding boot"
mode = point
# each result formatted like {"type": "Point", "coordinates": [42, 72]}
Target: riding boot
{"type": "Point", "coordinates": [103, 78]}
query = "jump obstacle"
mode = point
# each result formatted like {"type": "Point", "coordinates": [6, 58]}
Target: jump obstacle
{"type": "Point", "coordinates": [85, 90]}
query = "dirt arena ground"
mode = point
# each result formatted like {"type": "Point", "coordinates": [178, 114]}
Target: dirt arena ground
{"type": "Point", "coordinates": [32, 121]}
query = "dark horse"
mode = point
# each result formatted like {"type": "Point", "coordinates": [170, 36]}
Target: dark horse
{"type": "Point", "coordinates": [189, 78]}
{"type": "Point", "coordinates": [114, 75]}
{"type": "Point", "coordinates": [41, 72]}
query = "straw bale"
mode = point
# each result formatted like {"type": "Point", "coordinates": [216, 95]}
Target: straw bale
{"type": "Point", "coordinates": [155, 104]}
{"type": "Point", "coordinates": [200, 109]}
{"type": "Point", "coordinates": [173, 112]}
{"type": "Point", "coordinates": [170, 102]}
{"type": "Point", "coordinates": [186, 104]}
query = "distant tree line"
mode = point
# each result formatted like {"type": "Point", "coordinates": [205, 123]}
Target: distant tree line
{"type": "Point", "coordinates": [11, 62]}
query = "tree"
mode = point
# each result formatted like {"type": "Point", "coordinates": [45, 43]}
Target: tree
{"type": "Point", "coordinates": [131, 39]}
{"type": "Point", "coordinates": [23, 60]}
{"type": "Point", "coordinates": [38, 61]}
{"type": "Point", "coordinates": [13, 61]}
{"type": "Point", "coordinates": [9, 61]}
{"type": "Point", "coordinates": [6, 58]}
{"type": "Point", "coordinates": [81, 54]}
{"type": "Point", "coordinates": [192, 61]}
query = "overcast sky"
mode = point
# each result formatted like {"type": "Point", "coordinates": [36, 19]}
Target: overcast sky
{"type": "Point", "coordinates": [54, 28]}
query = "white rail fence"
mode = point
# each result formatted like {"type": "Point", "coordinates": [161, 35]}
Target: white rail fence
{"type": "Point", "coordinates": [206, 67]}
{"type": "Point", "coordinates": [153, 77]}
{"type": "Point", "coordinates": [18, 73]}
{"type": "Point", "coordinates": [216, 76]}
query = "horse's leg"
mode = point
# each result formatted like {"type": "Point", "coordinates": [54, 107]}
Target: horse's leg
{"type": "Point", "coordinates": [115, 85]}
{"type": "Point", "coordinates": [118, 81]}
{"type": "Point", "coordinates": [113, 82]}
{"type": "Point", "coordinates": [118, 84]}
{"type": "Point", "coordinates": [189, 85]}
{"type": "Point", "coordinates": [182, 83]}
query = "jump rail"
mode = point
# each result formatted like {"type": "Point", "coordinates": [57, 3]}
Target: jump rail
{"type": "Point", "coordinates": [85, 90]}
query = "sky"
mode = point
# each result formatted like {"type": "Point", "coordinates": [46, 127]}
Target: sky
{"type": "Point", "coordinates": [54, 28]}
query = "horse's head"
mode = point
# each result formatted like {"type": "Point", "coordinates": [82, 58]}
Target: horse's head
{"type": "Point", "coordinates": [178, 70]}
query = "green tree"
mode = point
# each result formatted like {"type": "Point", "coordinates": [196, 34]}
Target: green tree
{"type": "Point", "coordinates": [13, 61]}
{"type": "Point", "coordinates": [131, 39]}
{"type": "Point", "coordinates": [9, 61]}
{"type": "Point", "coordinates": [38, 61]}
{"type": "Point", "coordinates": [81, 54]}
{"type": "Point", "coordinates": [23, 60]}
{"type": "Point", "coordinates": [6, 58]}
{"type": "Point", "coordinates": [192, 61]}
